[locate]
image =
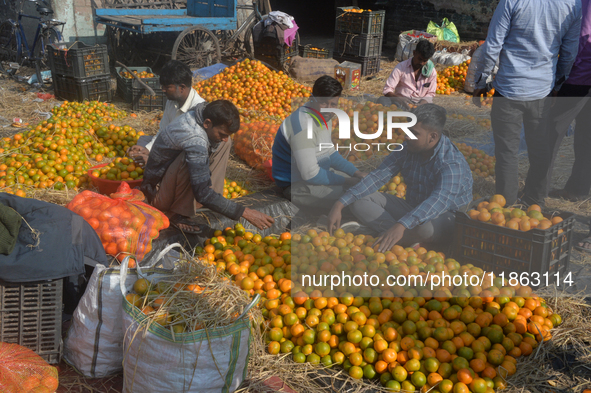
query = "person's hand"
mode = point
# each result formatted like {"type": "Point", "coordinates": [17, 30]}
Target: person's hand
{"type": "Point", "coordinates": [390, 238]}
{"type": "Point", "coordinates": [350, 182]}
{"type": "Point", "coordinates": [476, 96]}
{"type": "Point", "coordinates": [360, 174]}
{"type": "Point", "coordinates": [404, 102]}
{"type": "Point", "coordinates": [423, 102]}
{"type": "Point", "coordinates": [258, 219]}
{"type": "Point", "coordinates": [334, 217]}
{"type": "Point", "coordinates": [139, 154]}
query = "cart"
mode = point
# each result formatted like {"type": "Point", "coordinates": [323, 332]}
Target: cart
{"type": "Point", "coordinates": [199, 34]}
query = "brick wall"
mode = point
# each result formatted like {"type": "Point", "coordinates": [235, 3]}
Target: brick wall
{"type": "Point", "coordinates": [471, 17]}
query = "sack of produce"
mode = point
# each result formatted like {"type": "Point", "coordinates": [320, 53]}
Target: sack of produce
{"type": "Point", "coordinates": [447, 31]}
{"type": "Point", "coordinates": [125, 224]}
{"type": "Point", "coordinates": [23, 371]}
{"type": "Point", "coordinates": [253, 142]}
{"type": "Point", "coordinates": [310, 69]}
{"type": "Point", "coordinates": [93, 345]}
{"type": "Point", "coordinates": [186, 332]}
{"type": "Point", "coordinates": [407, 43]}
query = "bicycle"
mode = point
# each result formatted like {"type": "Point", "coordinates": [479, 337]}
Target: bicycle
{"type": "Point", "coordinates": [14, 47]}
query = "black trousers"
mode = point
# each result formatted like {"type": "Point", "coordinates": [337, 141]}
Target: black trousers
{"type": "Point", "coordinates": [507, 118]}
{"type": "Point", "coordinates": [573, 103]}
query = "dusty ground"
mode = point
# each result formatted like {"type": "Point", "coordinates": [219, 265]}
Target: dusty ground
{"type": "Point", "coordinates": [16, 100]}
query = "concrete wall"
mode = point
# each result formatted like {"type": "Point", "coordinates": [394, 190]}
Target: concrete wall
{"type": "Point", "coordinates": [78, 15]}
{"type": "Point", "coordinates": [80, 26]}
{"type": "Point", "coordinates": [471, 17]}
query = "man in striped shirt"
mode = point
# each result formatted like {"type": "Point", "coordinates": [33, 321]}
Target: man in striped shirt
{"type": "Point", "coordinates": [439, 182]}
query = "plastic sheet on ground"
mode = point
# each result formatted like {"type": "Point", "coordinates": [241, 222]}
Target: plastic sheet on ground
{"type": "Point", "coordinates": [270, 202]}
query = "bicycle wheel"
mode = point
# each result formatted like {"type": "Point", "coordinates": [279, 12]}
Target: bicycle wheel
{"type": "Point", "coordinates": [248, 42]}
{"type": "Point", "coordinates": [49, 36]}
{"type": "Point", "coordinates": [9, 44]}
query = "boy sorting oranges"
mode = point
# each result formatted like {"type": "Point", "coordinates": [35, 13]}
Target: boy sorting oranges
{"type": "Point", "coordinates": [439, 182]}
{"type": "Point", "coordinates": [177, 177]}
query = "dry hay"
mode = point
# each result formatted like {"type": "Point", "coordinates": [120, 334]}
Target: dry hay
{"type": "Point", "coordinates": [214, 302]}
{"type": "Point", "coordinates": [241, 173]}
{"type": "Point", "coordinates": [564, 362]}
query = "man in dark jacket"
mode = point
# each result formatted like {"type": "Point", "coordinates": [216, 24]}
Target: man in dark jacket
{"type": "Point", "coordinates": [177, 177]}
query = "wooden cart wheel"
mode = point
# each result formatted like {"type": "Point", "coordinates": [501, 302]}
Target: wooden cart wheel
{"type": "Point", "coordinates": [197, 47]}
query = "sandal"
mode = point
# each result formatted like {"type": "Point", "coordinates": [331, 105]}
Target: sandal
{"type": "Point", "coordinates": [177, 220]}
{"type": "Point", "coordinates": [586, 240]}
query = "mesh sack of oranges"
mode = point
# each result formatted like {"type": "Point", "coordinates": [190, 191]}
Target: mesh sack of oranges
{"type": "Point", "coordinates": [125, 224]}
{"type": "Point", "coordinates": [254, 142]}
{"type": "Point", "coordinates": [22, 370]}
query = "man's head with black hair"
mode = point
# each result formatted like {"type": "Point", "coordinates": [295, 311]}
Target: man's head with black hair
{"type": "Point", "coordinates": [326, 92]}
{"type": "Point", "coordinates": [220, 120]}
{"type": "Point", "coordinates": [176, 80]}
{"type": "Point", "coordinates": [429, 128]}
{"type": "Point", "coordinates": [422, 53]}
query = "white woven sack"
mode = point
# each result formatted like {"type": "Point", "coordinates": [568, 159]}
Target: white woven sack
{"type": "Point", "coordinates": [205, 361]}
{"type": "Point", "coordinates": [94, 342]}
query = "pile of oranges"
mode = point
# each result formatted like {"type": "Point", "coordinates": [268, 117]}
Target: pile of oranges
{"type": "Point", "coordinates": [122, 168]}
{"type": "Point", "coordinates": [55, 152]}
{"type": "Point", "coordinates": [457, 339]}
{"type": "Point", "coordinates": [481, 164]}
{"type": "Point", "coordinates": [495, 212]}
{"type": "Point", "coordinates": [143, 74]}
{"type": "Point", "coordinates": [251, 85]}
{"type": "Point", "coordinates": [395, 186]}
{"type": "Point", "coordinates": [115, 140]}
{"type": "Point", "coordinates": [233, 190]}
{"type": "Point", "coordinates": [452, 78]}
{"type": "Point", "coordinates": [253, 142]}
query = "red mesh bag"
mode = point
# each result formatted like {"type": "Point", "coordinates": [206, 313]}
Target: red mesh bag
{"type": "Point", "coordinates": [23, 371]}
{"type": "Point", "coordinates": [125, 224]}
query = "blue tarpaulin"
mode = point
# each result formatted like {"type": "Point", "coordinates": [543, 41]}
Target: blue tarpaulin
{"type": "Point", "coordinates": [208, 72]}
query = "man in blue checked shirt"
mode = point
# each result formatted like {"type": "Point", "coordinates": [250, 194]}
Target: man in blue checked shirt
{"type": "Point", "coordinates": [439, 182]}
{"type": "Point", "coordinates": [536, 42]}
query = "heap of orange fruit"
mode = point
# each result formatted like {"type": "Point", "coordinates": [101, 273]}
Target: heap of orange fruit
{"type": "Point", "coordinates": [481, 164]}
{"type": "Point", "coordinates": [54, 153]}
{"type": "Point", "coordinates": [142, 74]}
{"type": "Point", "coordinates": [233, 190]}
{"type": "Point", "coordinates": [395, 186]}
{"type": "Point", "coordinates": [115, 140]}
{"type": "Point", "coordinates": [251, 85]}
{"type": "Point", "coordinates": [122, 168]}
{"type": "Point", "coordinates": [452, 78]}
{"type": "Point", "coordinates": [495, 212]}
{"type": "Point", "coordinates": [463, 339]}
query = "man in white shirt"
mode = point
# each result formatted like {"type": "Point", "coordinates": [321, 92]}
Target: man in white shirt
{"type": "Point", "coordinates": [176, 81]}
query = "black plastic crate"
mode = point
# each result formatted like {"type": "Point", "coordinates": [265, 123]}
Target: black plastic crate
{"type": "Point", "coordinates": [78, 60]}
{"type": "Point", "coordinates": [499, 249]}
{"type": "Point", "coordinates": [144, 101]}
{"type": "Point", "coordinates": [309, 51]}
{"type": "Point", "coordinates": [31, 316]}
{"type": "Point", "coordinates": [90, 89]}
{"type": "Point", "coordinates": [362, 45]}
{"type": "Point", "coordinates": [366, 22]}
{"type": "Point", "coordinates": [125, 85]}
{"type": "Point", "coordinates": [277, 56]}
{"type": "Point", "coordinates": [369, 65]}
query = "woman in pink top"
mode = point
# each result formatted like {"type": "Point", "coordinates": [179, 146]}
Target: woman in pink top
{"type": "Point", "coordinates": [413, 81]}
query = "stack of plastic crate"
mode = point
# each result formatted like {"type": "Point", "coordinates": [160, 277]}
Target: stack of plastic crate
{"type": "Point", "coordinates": [359, 37]}
{"type": "Point", "coordinates": [80, 72]}
{"type": "Point", "coordinates": [132, 91]}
